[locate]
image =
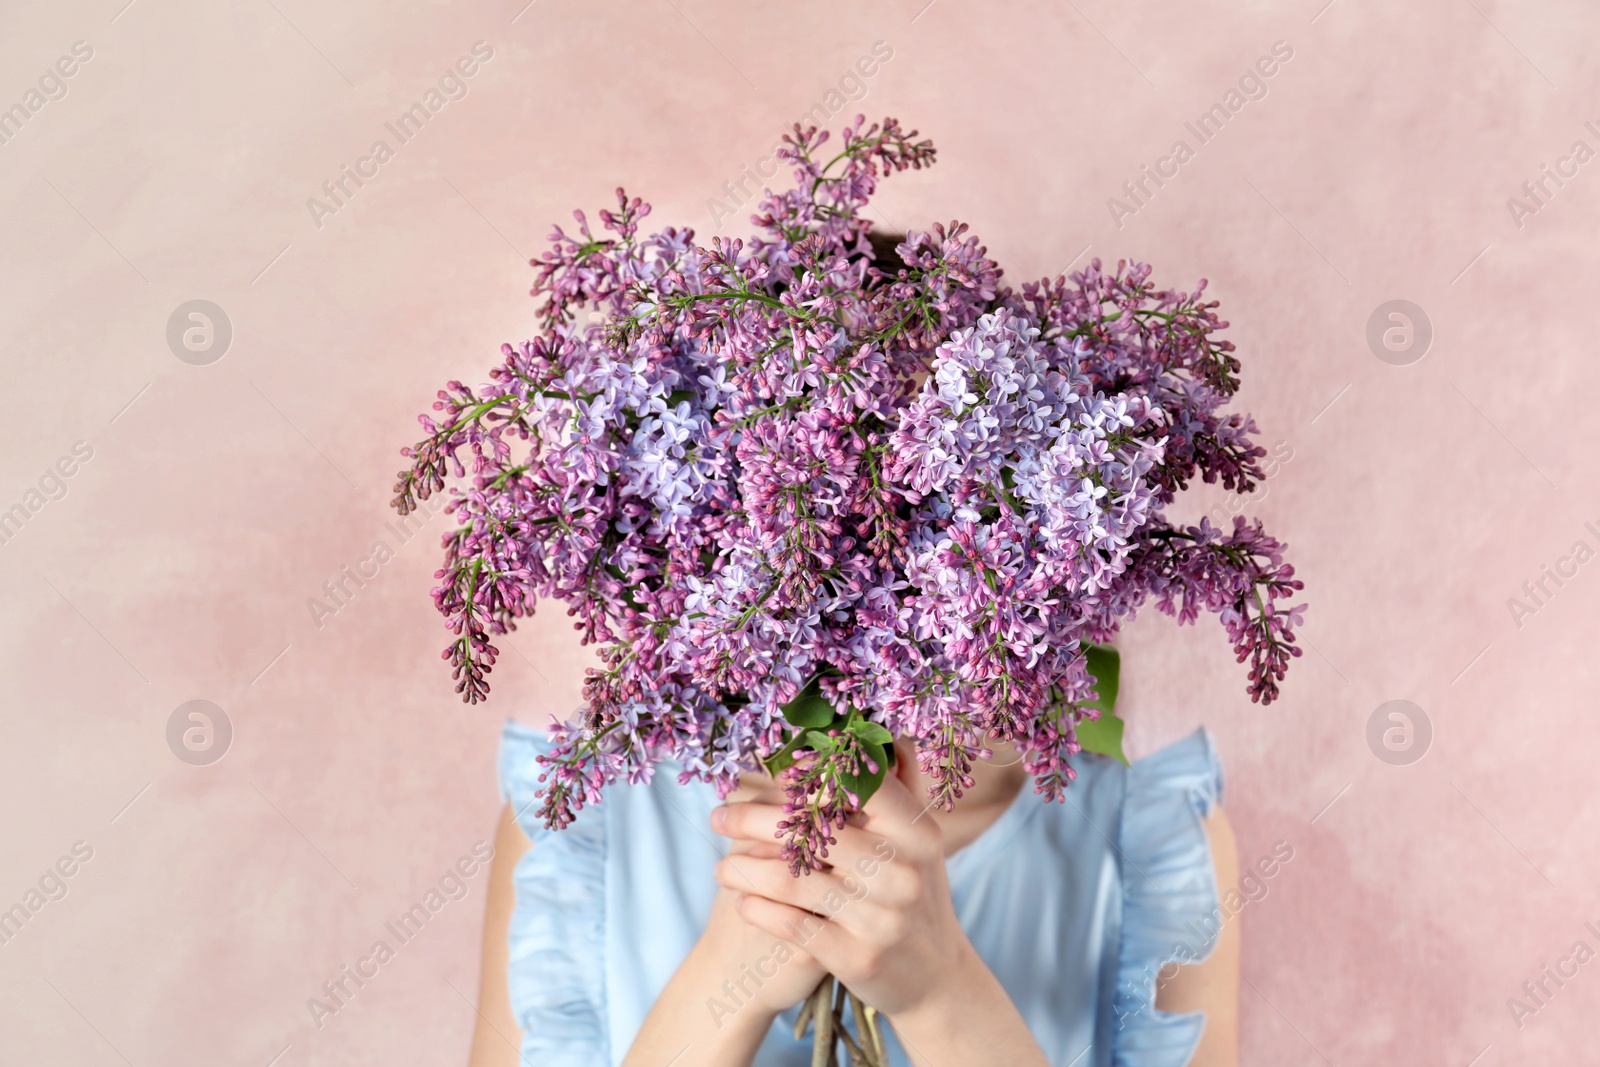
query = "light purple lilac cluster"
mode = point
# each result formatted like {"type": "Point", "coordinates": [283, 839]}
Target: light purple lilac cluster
{"type": "Point", "coordinates": [755, 469]}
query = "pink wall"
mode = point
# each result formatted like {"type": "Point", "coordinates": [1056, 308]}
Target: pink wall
{"type": "Point", "coordinates": [220, 497]}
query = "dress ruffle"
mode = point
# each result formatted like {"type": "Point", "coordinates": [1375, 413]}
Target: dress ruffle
{"type": "Point", "coordinates": [557, 935]}
{"type": "Point", "coordinates": [1171, 910]}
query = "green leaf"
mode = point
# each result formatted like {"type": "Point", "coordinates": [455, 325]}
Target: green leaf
{"type": "Point", "coordinates": [801, 741]}
{"type": "Point", "coordinates": [1105, 664]}
{"type": "Point", "coordinates": [817, 741]}
{"type": "Point", "coordinates": [784, 758]}
{"type": "Point", "coordinates": [878, 744]}
{"type": "Point", "coordinates": [868, 730]}
{"type": "Point", "coordinates": [865, 784]}
{"type": "Point", "coordinates": [809, 709]}
{"type": "Point", "coordinates": [813, 716]}
{"type": "Point", "coordinates": [1103, 735]}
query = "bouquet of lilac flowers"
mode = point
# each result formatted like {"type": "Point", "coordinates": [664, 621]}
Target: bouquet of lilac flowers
{"type": "Point", "coordinates": [813, 492]}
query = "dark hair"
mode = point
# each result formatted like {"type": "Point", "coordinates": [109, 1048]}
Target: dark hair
{"type": "Point", "coordinates": [884, 257]}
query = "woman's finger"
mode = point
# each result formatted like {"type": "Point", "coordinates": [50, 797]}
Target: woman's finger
{"type": "Point", "coordinates": [747, 820]}
{"type": "Point", "coordinates": [899, 815]}
{"type": "Point", "coordinates": [771, 878]}
{"type": "Point", "coordinates": [809, 934]}
{"type": "Point", "coordinates": [754, 829]}
{"type": "Point", "coordinates": [828, 894]}
{"type": "Point", "coordinates": [767, 850]}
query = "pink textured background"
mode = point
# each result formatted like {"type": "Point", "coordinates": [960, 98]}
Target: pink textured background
{"type": "Point", "coordinates": [180, 563]}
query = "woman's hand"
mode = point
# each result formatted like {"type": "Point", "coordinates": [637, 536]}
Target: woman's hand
{"type": "Point", "coordinates": [751, 967]}
{"type": "Point", "coordinates": [881, 920]}
{"type": "Point", "coordinates": [720, 1003]}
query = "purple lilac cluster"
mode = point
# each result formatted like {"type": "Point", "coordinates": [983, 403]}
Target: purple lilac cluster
{"type": "Point", "coordinates": [753, 469]}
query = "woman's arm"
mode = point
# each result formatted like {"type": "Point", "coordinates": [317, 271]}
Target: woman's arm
{"type": "Point", "coordinates": [720, 1003]}
{"type": "Point", "coordinates": [1212, 986]}
{"type": "Point", "coordinates": [496, 1041]}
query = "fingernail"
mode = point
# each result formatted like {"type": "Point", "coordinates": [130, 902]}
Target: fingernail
{"type": "Point", "coordinates": [719, 816]}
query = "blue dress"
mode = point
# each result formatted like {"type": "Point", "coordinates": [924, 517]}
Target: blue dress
{"type": "Point", "coordinates": [1074, 906]}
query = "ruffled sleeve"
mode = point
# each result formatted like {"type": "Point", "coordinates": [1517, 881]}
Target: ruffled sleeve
{"type": "Point", "coordinates": [557, 937]}
{"type": "Point", "coordinates": [1171, 911]}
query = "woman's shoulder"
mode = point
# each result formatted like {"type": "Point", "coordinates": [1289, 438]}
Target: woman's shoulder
{"type": "Point", "coordinates": [556, 932]}
{"type": "Point", "coordinates": [518, 770]}
{"type": "Point", "coordinates": [659, 788]}
{"type": "Point", "coordinates": [1171, 902]}
{"type": "Point", "coordinates": [1189, 767]}
{"type": "Point", "coordinates": [1167, 788]}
